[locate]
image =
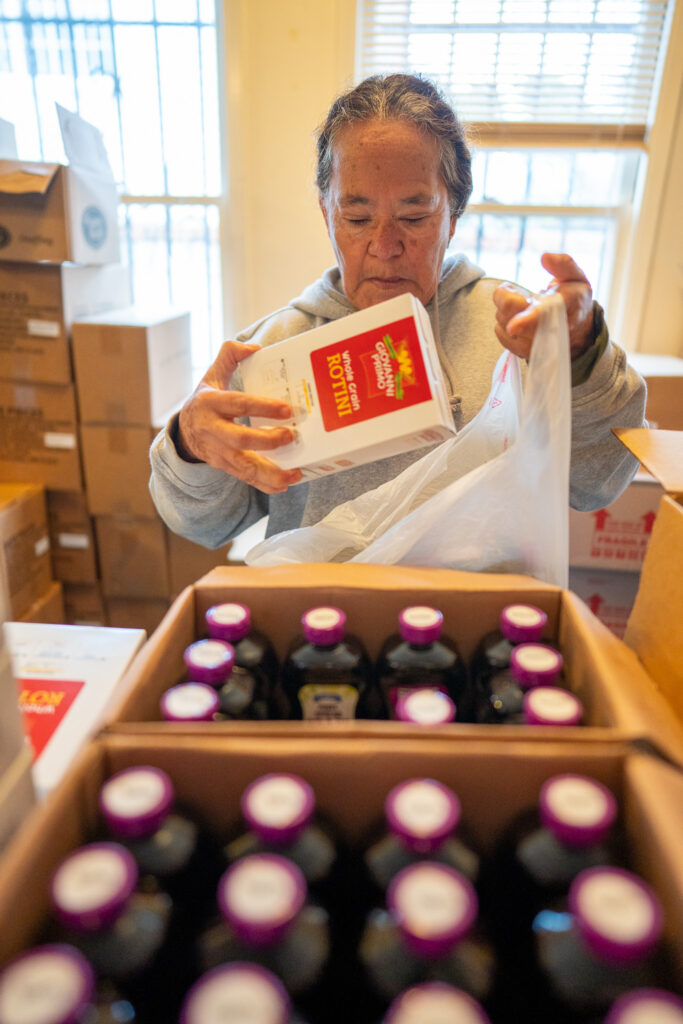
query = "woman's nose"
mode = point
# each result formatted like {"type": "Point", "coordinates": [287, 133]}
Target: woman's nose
{"type": "Point", "coordinates": [386, 241]}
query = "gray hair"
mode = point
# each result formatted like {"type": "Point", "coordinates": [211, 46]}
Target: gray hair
{"type": "Point", "coordinates": [402, 98]}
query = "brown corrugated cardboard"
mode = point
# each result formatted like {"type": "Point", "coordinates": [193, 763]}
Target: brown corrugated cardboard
{"type": "Point", "coordinates": [616, 537]}
{"type": "Point", "coordinates": [654, 628]}
{"type": "Point", "coordinates": [24, 545]}
{"type": "Point", "coordinates": [38, 302]}
{"type": "Point", "coordinates": [188, 561]}
{"type": "Point", "coordinates": [617, 693]}
{"type": "Point", "coordinates": [49, 607]}
{"type": "Point", "coordinates": [17, 796]}
{"type": "Point", "coordinates": [136, 612]}
{"type": "Point", "coordinates": [664, 378]}
{"type": "Point", "coordinates": [84, 604]}
{"type": "Point", "coordinates": [72, 537]}
{"type": "Point", "coordinates": [39, 435]}
{"type": "Point", "coordinates": [494, 782]}
{"type": "Point", "coordinates": [609, 595]}
{"type": "Point", "coordinates": [116, 468]}
{"type": "Point", "coordinates": [132, 557]}
{"type": "Point", "coordinates": [11, 726]}
{"type": "Point", "coordinates": [131, 365]}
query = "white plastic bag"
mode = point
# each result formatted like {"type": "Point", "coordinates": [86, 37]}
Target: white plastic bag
{"type": "Point", "coordinates": [493, 498]}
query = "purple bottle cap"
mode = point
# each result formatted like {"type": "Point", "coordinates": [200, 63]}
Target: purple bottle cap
{"type": "Point", "coordinates": [617, 914]}
{"type": "Point", "coordinates": [324, 625]}
{"type": "Point", "coordinates": [260, 896]}
{"type": "Point", "coordinates": [190, 702]}
{"type": "Point", "coordinates": [522, 623]}
{"type": "Point", "coordinates": [135, 801]}
{"type": "Point", "coordinates": [535, 665]}
{"type": "Point", "coordinates": [434, 906]}
{"type": "Point", "coordinates": [277, 807]}
{"type": "Point", "coordinates": [422, 813]}
{"type": "Point", "coordinates": [435, 1002]}
{"type": "Point", "coordinates": [551, 705]}
{"type": "Point", "coordinates": [228, 621]}
{"type": "Point", "coordinates": [51, 984]}
{"type": "Point", "coordinates": [92, 885]}
{"type": "Point", "coordinates": [578, 810]}
{"type": "Point", "coordinates": [425, 706]}
{"type": "Point", "coordinates": [236, 993]}
{"type": "Point", "coordinates": [420, 624]}
{"type": "Point", "coordinates": [209, 661]}
{"type": "Point", "coordinates": [646, 1006]}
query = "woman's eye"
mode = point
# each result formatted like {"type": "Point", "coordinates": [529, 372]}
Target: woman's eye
{"type": "Point", "coordinates": [413, 220]}
{"type": "Point", "coordinates": [357, 220]}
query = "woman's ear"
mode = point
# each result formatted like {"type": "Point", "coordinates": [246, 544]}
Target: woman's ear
{"type": "Point", "coordinates": [451, 231]}
{"type": "Point", "coordinates": [323, 208]}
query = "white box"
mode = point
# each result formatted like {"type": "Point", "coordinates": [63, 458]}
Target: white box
{"type": "Point", "coordinates": [67, 677]}
{"type": "Point", "coordinates": [362, 388]}
{"type": "Point", "coordinates": [616, 537]}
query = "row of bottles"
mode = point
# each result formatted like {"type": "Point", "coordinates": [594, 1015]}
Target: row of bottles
{"type": "Point", "coordinates": [514, 676]}
{"type": "Point", "coordinates": [158, 919]}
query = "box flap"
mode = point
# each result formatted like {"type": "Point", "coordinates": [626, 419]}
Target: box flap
{"type": "Point", "coordinates": [26, 178]}
{"type": "Point", "coordinates": [84, 145]}
{"type": "Point", "coordinates": [660, 451]}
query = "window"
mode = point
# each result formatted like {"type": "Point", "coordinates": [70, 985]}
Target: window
{"type": "Point", "coordinates": [557, 96]}
{"type": "Point", "coordinates": [144, 72]}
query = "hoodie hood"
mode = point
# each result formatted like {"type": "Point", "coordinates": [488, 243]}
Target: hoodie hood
{"type": "Point", "coordinates": [325, 298]}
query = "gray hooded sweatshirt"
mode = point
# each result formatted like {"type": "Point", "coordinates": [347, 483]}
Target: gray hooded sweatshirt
{"type": "Point", "coordinates": [210, 507]}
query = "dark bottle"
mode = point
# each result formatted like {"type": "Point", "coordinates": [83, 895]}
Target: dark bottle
{"type": "Point", "coordinates": [519, 624]}
{"type": "Point", "coordinates": [190, 702]}
{"type": "Point", "coordinates": [172, 853]}
{"type": "Point", "coordinates": [422, 817]}
{"type": "Point", "coordinates": [601, 943]}
{"type": "Point", "coordinates": [279, 810]}
{"type": "Point", "coordinates": [425, 707]}
{"type": "Point", "coordinates": [265, 917]}
{"type": "Point", "coordinates": [420, 655]}
{"type": "Point", "coordinates": [237, 993]}
{"type": "Point", "coordinates": [434, 1002]}
{"type": "Point", "coordinates": [121, 931]}
{"type": "Point", "coordinates": [209, 661]}
{"type": "Point", "coordinates": [55, 984]}
{"type": "Point", "coordinates": [499, 699]}
{"type": "Point", "coordinates": [252, 690]}
{"type": "Point", "coordinates": [551, 705]}
{"type": "Point", "coordinates": [327, 673]}
{"type": "Point", "coordinates": [428, 933]}
{"type": "Point", "coordinates": [646, 1006]}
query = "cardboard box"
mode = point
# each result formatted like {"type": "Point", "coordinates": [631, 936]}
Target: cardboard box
{"type": "Point", "coordinates": [12, 739]}
{"type": "Point", "coordinates": [654, 628]}
{"type": "Point", "coordinates": [132, 557]}
{"type": "Point", "coordinates": [66, 678]}
{"type": "Point", "coordinates": [616, 537]}
{"type": "Point", "coordinates": [210, 775]}
{"type": "Point", "coordinates": [664, 378]}
{"type": "Point", "coordinates": [609, 595]}
{"type": "Point", "coordinates": [72, 537]}
{"type": "Point", "coordinates": [617, 694]}
{"type": "Point", "coordinates": [84, 604]}
{"type": "Point", "coordinates": [53, 212]}
{"type": "Point", "coordinates": [24, 545]}
{"type": "Point", "coordinates": [188, 561]}
{"type": "Point", "coordinates": [362, 388]}
{"type": "Point", "coordinates": [132, 365]}
{"type": "Point", "coordinates": [136, 612]}
{"type": "Point", "coordinates": [116, 468]}
{"type": "Point", "coordinates": [38, 303]}
{"type": "Point", "coordinates": [17, 796]}
{"type": "Point", "coordinates": [39, 435]}
{"type": "Point", "coordinates": [49, 607]}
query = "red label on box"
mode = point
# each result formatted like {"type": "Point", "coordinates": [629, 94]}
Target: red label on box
{"type": "Point", "coordinates": [370, 374]}
{"type": "Point", "coordinates": [44, 703]}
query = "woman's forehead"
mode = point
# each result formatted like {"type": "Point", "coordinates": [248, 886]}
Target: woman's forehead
{"type": "Point", "coordinates": [395, 148]}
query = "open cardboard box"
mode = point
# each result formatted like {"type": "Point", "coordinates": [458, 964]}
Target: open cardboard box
{"type": "Point", "coordinates": [616, 692]}
{"type": "Point", "coordinates": [654, 628]}
{"type": "Point", "coordinates": [351, 778]}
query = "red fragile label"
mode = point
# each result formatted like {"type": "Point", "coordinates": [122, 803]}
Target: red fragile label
{"type": "Point", "coordinates": [44, 703]}
{"type": "Point", "coordinates": [370, 374]}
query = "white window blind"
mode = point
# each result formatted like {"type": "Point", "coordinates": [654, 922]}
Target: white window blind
{"type": "Point", "coordinates": [586, 63]}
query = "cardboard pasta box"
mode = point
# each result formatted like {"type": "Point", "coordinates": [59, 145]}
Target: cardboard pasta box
{"type": "Point", "coordinates": [493, 781]}
{"type": "Point", "coordinates": [616, 692]}
{"type": "Point", "coordinates": [362, 388]}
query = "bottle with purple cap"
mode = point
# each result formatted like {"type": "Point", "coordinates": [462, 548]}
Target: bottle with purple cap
{"type": "Point", "coordinates": [280, 813]}
{"type": "Point", "coordinates": [172, 852]}
{"type": "Point", "coordinates": [238, 993]}
{"type": "Point", "coordinates": [600, 943]}
{"type": "Point", "coordinates": [428, 932]}
{"type": "Point", "coordinates": [435, 1002]}
{"type": "Point", "coordinates": [266, 917]}
{"type": "Point", "coordinates": [425, 707]}
{"type": "Point", "coordinates": [519, 624]}
{"type": "Point", "coordinates": [190, 702]}
{"type": "Point", "coordinates": [122, 931]}
{"type": "Point", "coordinates": [252, 690]}
{"type": "Point", "coordinates": [420, 655]}
{"type": "Point", "coordinates": [327, 673]}
{"type": "Point", "coordinates": [55, 984]}
{"type": "Point", "coordinates": [499, 699]}
{"type": "Point", "coordinates": [646, 1006]}
{"type": "Point", "coordinates": [551, 705]}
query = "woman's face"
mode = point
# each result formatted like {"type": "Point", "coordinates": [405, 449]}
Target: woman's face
{"type": "Point", "coordinates": [387, 212]}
